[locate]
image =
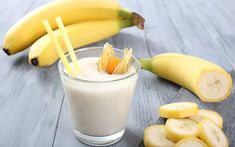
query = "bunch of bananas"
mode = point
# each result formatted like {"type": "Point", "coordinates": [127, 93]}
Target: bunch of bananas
{"type": "Point", "coordinates": [86, 21]}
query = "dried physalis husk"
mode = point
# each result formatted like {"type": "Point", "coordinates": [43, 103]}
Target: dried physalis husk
{"type": "Point", "coordinates": [123, 66]}
{"type": "Point", "coordinates": [107, 52]}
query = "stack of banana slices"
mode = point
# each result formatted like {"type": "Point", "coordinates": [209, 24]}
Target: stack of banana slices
{"type": "Point", "coordinates": [186, 126]}
{"type": "Point", "coordinates": [86, 22]}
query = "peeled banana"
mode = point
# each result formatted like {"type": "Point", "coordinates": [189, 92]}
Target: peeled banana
{"type": "Point", "coordinates": [209, 114]}
{"type": "Point", "coordinates": [155, 136]}
{"type": "Point", "coordinates": [29, 28]}
{"type": "Point", "coordinates": [178, 110]}
{"type": "Point", "coordinates": [190, 142]}
{"type": "Point", "coordinates": [177, 129]}
{"type": "Point", "coordinates": [43, 53]}
{"type": "Point", "coordinates": [208, 81]}
{"type": "Point", "coordinates": [210, 133]}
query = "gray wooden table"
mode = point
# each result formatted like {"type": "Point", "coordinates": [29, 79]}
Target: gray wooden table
{"type": "Point", "coordinates": [32, 103]}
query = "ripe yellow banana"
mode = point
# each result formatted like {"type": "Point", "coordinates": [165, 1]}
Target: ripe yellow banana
{"type": "Point", "coordinates": [29, 28]}
{"type": "Point", "coordinates": [177, 129]}
{"type": "Point", "coordinates": [178, 110]}
{"type": "Point", "coordinates": [208, 81]}
{"type": "Point", "coordinates": [210, 133]}
{"type": "Point", "coordinates": [155, 136]}
{"type": "Point", "coordinates": [43, 53]}
{"type": "Point", "coordinates": [209, 114]}
{"type": "Point", "coordinates": [190, 142]}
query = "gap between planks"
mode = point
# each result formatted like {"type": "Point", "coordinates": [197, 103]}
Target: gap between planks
{"type": "Point", "coordinates": [58, 119]}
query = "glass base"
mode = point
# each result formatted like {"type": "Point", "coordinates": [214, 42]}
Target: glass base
{"type": "Point", "coordinates": [99, 141]}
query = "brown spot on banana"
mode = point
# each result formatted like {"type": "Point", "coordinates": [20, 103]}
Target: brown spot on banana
{"type": "Point", "coordinates": [6, 51]}
{"type": "Point", "coordinates": [34, 61]}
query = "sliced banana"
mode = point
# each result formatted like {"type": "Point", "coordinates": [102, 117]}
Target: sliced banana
{"type": "Point", "coordinates": [210, 114]}
{"type": "Point", "coordinates": [178, 110]}
{"type": "Point", "coordinates": [190, 142]}
{"type": "Point", "coordinates": [214, 86]}
{"type": "Point", "coordinates": [155, 136]}
{"type": "Point", "coordinates": [210, 133]}
{"type": "Point", "coordinates": [107, 52]}
{"type": "Point", "coordinates": [177, 129]}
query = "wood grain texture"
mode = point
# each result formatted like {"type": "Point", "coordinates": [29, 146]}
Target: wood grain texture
{"type": "Point", "coordinates": [33, 109]}
{"type": "Point", "coordinates": [30, 98]}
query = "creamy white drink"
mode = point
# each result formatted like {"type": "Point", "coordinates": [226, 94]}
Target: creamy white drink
{"type": "Point", "coordinates": [99, 108]}
{"type": "Point", "coordinates": [99, 102]}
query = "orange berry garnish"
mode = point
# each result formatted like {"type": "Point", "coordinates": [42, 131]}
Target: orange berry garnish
{"type": "Point", "coordinates": [112, 64]}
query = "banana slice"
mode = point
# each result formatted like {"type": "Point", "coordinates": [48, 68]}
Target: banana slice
{"type": "Point", "coordinates": [155, 136]}
{"type": "Point", "coordinates": [178, 110]}
{"type": "Point", "coordinates": [177, 129]}
{"type": "Point", "coordinates": [210, 133]}
{"type": "Point", "coordinates": [107, 52]}
{"type": "Point", "coordinates": [210, 114]}
{"type": "Point", "coordinates": [190, 142]}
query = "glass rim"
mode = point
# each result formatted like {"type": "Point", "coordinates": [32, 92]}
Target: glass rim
{"type": "Point", "coordinates": [60, 64]}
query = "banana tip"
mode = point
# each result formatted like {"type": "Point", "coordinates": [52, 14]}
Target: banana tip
{"type": "Point", "coordinates": [34, 61]}
{"type": "Point", "coordinates": [6, 51]}
{"type": "Point", "coordinates": [138, 20]}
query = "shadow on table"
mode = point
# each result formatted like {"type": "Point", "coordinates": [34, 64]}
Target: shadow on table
{"type": "Point", "coordinates": [44, 76]}
{"type": "Point", "coordinates": [20, 60]}
{"type": "Point", "coordinates": [129, 139]}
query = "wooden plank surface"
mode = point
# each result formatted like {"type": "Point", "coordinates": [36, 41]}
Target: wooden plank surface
{"type": "Point", "coordinates": [30, 98]}
{"type": "Point", "coordinates": [33, 109]}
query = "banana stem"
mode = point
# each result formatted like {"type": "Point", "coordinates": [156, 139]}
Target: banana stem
{"type": "Point", "coordinates": [138, 20]}
{"type": "Point", "coordinates": [125, 23]}
{"type": "Point", "coordinates": [145, 64]}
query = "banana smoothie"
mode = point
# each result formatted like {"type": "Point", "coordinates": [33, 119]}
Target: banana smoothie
{"type": "Point", "coordinates": [99, 102]}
